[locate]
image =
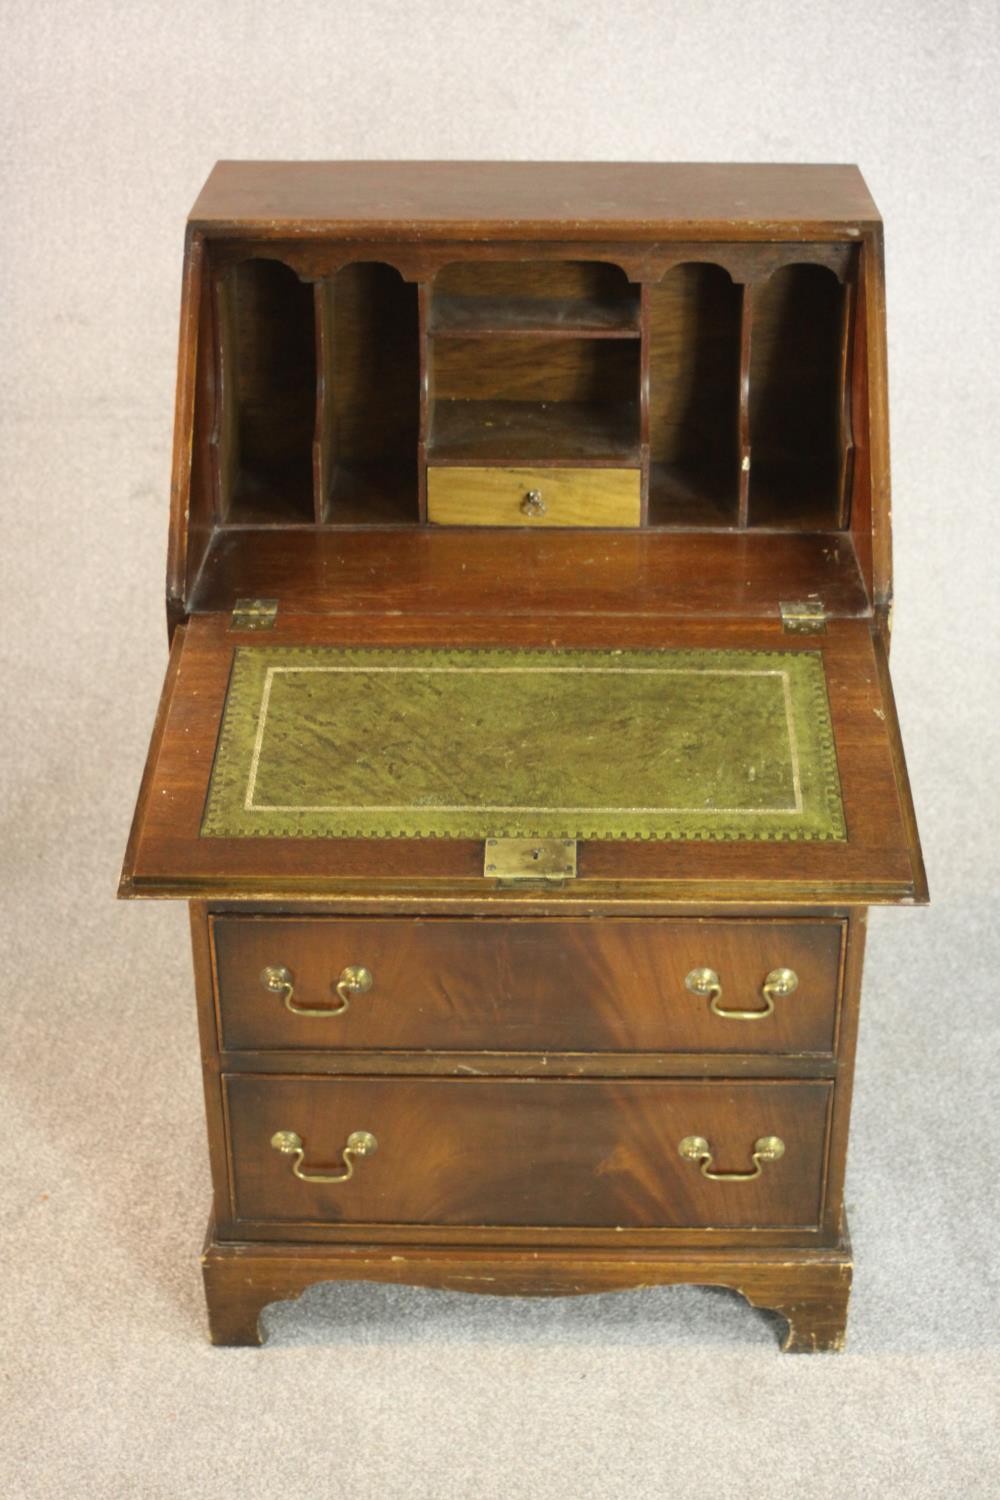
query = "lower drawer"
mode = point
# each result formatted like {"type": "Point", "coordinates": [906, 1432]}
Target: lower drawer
{"type": "Point", "coordinates": [533, 497]}
{"type": "Point", "coordinates": [528, 1152]}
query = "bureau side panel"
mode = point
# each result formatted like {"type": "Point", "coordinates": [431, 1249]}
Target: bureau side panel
{"type": "Point", "coordinates": [214, 1102]}
{"type": "Point", "coordinates": [847, 1039]}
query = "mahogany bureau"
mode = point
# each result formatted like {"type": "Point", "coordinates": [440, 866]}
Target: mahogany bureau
{"type": "Point", "coordinates": [527, 751]}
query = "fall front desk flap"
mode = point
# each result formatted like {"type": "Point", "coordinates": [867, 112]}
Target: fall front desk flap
{"type": "Point", "coordinates": [323, 742]}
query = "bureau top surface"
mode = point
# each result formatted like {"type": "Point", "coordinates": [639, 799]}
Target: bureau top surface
{"type": "Point", "coordinates": [534, 200]}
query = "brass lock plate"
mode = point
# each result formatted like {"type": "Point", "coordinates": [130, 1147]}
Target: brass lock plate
{"type": "Point", "coordinates": [530, 859]}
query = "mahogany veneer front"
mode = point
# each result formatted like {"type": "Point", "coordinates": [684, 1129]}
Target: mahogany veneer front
{"type": "Point", "coordinates": [571, 985]}
{"type": "Point", "coordinates": [558, 1153]}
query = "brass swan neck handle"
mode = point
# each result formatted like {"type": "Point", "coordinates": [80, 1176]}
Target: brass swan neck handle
{"type": "Point", "coordinates": [778, 984]}
{"type": "Point", "coordinates": [765, 1148]}
{"type": "Point", "coordinates": [359, 1143]}
{"type": "Point", "coordinates": [354, 980]}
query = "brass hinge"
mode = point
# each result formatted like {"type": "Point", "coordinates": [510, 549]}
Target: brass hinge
{"type": "Point", "coordinates": [512, 861]}
{"type": "Point", "coordinates": [254, 614]}
{"type": "Point", "coordinates": [803, 616]}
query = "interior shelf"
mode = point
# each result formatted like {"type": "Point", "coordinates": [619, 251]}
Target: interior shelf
{"type": "Point", "coordinates": [503, 299]}
{"type": "Point", "coordinates": [534, 431]}
{"type": "Point", "coordinates": [518, 317]}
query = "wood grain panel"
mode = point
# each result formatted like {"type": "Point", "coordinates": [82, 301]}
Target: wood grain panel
{"type": "Point", "coordinates": [528, 317]}
{"type": "Point", "coordinates": [560, 985]}
{"type": "Point", "coordinates": [556, 200]}
{"type": "Point", "coordinates": [571, 497]}
{"type": "Point", "coordinates": [536, 369]}
{"type": "Point", "coordinates": [528, 1152]}
{"type": "Point", "coordinates": [564, 282]}
{"type": "Point", "coordinates": [625, 574]}
{"type": "Point", "coordinates": [194, 503]}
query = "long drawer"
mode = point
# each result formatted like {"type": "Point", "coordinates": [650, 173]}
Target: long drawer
{"type": "Point", "coordinates": [576, 985]}
{"type": "Point", "coordinates": [641, 1154]}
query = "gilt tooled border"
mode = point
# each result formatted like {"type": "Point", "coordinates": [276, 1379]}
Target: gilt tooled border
{"type": "Point", "coordinates": [228, 772]}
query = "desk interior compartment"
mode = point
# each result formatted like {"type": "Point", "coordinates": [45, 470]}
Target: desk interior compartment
{"type": "Point", "coordinates": [799, 424]}
{"type": "Point", "coordinates": [266, 394]}
{"type": "Point", "coordinates": [558, 400]}
{"type": "Point", "coordinates": [694, 324]}
{"type": "Point", "coordinates": [368, 414]}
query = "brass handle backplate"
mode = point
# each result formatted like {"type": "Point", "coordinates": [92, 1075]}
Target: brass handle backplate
{"type": "Point", "coordinates": [359, 1143]}
{"type": "Point", "coordinates": [354, 980]}
{"type": "Point", "coordinates": [533, 504]}
{"type": "Point", "coordinates": [778, 984]}
{"type": "Point", "coordinates": [765, 1148]}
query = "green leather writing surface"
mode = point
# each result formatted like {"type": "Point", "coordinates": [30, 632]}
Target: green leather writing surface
{"type": "Point", "coordinates": [329, 742]}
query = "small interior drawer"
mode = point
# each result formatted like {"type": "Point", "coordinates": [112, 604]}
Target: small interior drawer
{"type": "Point", "coordinates": [479, 1151]}
{"type": "Point", "coordinates": [568, 985]}
{"type": "Point", "coordinates": [460, 496]}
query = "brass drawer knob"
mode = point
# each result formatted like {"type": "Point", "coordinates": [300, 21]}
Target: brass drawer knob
{"type": "Point", "coordinates": [359, 1143]}
{"type": "Point", "coordinates": [354, 980]}
{"type": "Point", "coordinates": [778, 984]}
{"type": "Point", "coordinates": [533, 504]}
{"type": "Point", "coordinates": [765, 1148]}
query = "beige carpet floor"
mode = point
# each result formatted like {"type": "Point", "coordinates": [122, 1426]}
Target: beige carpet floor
{"type": "Point", "coordinates": [108, 1386]}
